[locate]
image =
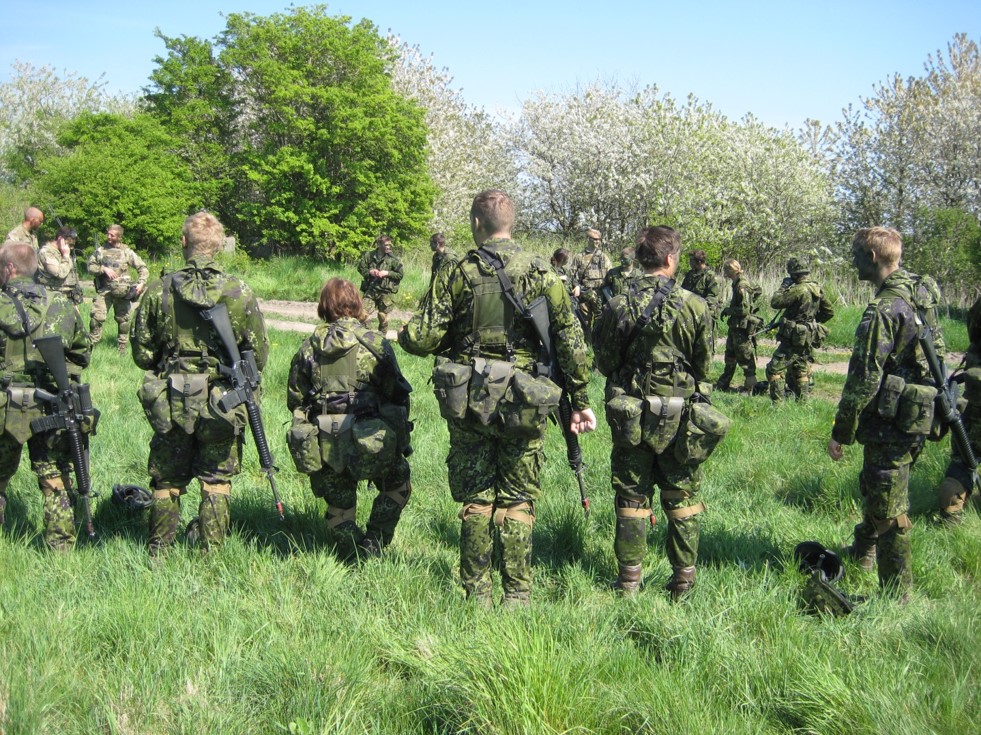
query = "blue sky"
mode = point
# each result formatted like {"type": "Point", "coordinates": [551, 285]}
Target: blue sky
{"type": "Point", "coordinates": [782, 61]}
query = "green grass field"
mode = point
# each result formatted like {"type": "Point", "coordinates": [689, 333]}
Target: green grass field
{"type": "Point", "coordinates": [275, 634]}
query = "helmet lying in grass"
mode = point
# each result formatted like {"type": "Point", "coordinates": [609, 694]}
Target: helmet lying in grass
{"type": "Point", "coordinates": [825, 568]}
{"type": "Point", "coordinates": [132, 497]}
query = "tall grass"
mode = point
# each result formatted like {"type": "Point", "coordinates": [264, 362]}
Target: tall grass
{"type": "Point", "coordinates": [274, 633]}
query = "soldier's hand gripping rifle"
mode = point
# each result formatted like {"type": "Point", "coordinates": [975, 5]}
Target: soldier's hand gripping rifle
{"type": "Point", "coordinates": [72, 408]}
{"type": "Point", "coordinates": [946, 402]}
{"type": "Point", "coordinates": [774, 323]}
{"type": "Point", "coordinates": [537, 313]}
{"type": "Point", "coordinates": [244, 376]}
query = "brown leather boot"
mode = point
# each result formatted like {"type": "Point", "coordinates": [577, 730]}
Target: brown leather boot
{"type": "Point", "coordinates": [628, 579]}
{"type": "Point", "coordinates": [861, 553]}
{"type": "Point", "coordinates": [682, 580]}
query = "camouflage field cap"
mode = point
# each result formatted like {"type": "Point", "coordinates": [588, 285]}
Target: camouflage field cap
{"type": "Point", "coordinates": [132, 497]}
{"type": "Point", "coordinates": [798, 266]}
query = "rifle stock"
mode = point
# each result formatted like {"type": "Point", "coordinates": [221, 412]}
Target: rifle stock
{"type": "Point", "coordinates": [243, 373]}
{"type": "Point", "coordinates": [72, 406]}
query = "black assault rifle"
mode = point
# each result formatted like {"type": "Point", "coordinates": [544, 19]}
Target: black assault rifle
{"type": "Point", "coordinates": [537, 314]}
{"type": "Point", "coordinates": [72, 408]}
{"type": "Point", "coordinates": [244, 376]}
{"type": "Point", "coordinates": [774, 323]}
{"type": "Point", "coordinates": [946, 401]}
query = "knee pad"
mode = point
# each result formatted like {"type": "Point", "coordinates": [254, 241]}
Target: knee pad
{"type": "Point", "coordinates": [337, 516]}
{"type": "Point", "coordinates": [475, 509]}
{"type": "Point", "coordinates": [884, 525]}
{"type": "Point", "coordinates": [521, 512]}
{"type": "Point", "coordinates": [215, 488]}
{"type": "Point", "coordinates": [679, 514]}
{"type": "Point", "coordinates": [627, 508]}
{"type": "Point", "coordinates": [399, 496]}
{"type": "Point", "coordinates": [952, 494]}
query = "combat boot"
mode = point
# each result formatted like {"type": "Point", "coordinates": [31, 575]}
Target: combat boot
{"type": "Point", "coordinates": [165, 518]}
{"type": "Point", "coordinates": [681, 582]}
{"type": "Point", "coordinates": [749, 384]}
{"type": "Point", "coordinates": [953, 498]}
{"type": "Point", "coordinates": [215, 514]}
{"type": "Point", "coordinates": [628, 579]}
{"type": "Point", "coordinates": [861, 553]}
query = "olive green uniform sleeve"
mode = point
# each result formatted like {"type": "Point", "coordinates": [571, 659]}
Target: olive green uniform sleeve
{"type": "Point", "coordinates": [299, 384]}
{"type": "Point", "coordinates": [874, 340]}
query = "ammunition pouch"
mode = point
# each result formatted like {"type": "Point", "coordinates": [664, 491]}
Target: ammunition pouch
{"type": "Point", "coordinates": [188, 399]}
{"type": "Point", "coordinates": [799, 334]}
{"type": "Point", "coordinates": [363, 446]}
{"type": "Point", "coordinates": [703, 429]}
{"type": "Point", "coordinates": [488, 384]}
{"type": "Point", "coordinates": [752, 322]}
{"type": "Point", "coordinates": [155, 401]}
{"type": "Point", "coordinates": [821, 333]}
{"type": "Point", "coordinates": [303, 440]}
{"type": "Point", "coordinates": [528, 403]}
{"type": "Point", "coordinates": [660, 421]}
{"type": "Point", "coordinates": [120, 288]}
{"type": "Point", "coordinates": [887, 404]}
{"type": "Point", "coordinates": [623, 414]}
{"type": "Point", "coordinates": [450, 384]}
{"type": "Point", "coordinates": [909, 405]}
{"type": "Point", "coordinates": [21, 408]}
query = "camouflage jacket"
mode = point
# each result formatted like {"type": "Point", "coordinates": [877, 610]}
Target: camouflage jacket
{"type": "Point", "coordinates": [886, 344]}
{"type": "Point", "coordinates": [446, 324]}
{"type": "Point", "coordinates": [589, 268]}
{"type": "Point", "coordinates": [48, 313]}
{"type": "Point", "coordinates": [803, 301]}
{"type": "Point", "coordinates": [706, 284]}
{"type": "Point", "coordinates": [55, 270]}
{"type": "Point", "coordinates": [667, 358]}
{"type": "Point", "coordinates": [371, 286]}
{"type": "Point", "coordinates": [169, 334]}
{"type": "Point", "coordinates": [332, 342]}
{"type": "Point", "coordinates": [443, 264]}
{"type": "Point", "coordinates": [742, 305]}
{"type": "Point", "coordinates": [122, 259]}
{"type": "Point", "coordinates": [21, 234]}
{"type": "Point", "coordinates": [617, 279]}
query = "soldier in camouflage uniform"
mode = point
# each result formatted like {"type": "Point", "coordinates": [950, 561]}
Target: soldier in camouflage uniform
{"type": "Point", "coordinates": [56, 265]}
{"type": "Point", "coordinates": [444, 260]}
{"type": "Point", "coordinates": [958, 484]}
{"type": "Point", "coordinates": [587, 272]}
{"type": "Point", "coordinates": [494, 471]}
{"type": "Point", "coordinates": [619, 278]}
{"type": "Point", "coordinates": [884, 396]}
{"type": "Point", "coordinates": [347, 370]}
{"type": "Point", "coordinates": [381, 273]}
{"type": "Point", "coordinates": [26, 231]}
{"type": "Point", "coordinates": [29, 311]}
{"type": "Point", "coordinates": [668, 358]}
{"type": "Point", "coordinates": [192, 435]}
{"type": "Point", "coordinates": [743, 322]}
{"type": "Point", "coordinates": [113, 267]}
{"type": "Point", "coordinates": [805, 307]}
{"type": "Point", "coordinates": [704, 282]}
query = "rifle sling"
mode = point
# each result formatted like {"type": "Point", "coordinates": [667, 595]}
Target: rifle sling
{"type": "Point", "coordinates": [663, 291]}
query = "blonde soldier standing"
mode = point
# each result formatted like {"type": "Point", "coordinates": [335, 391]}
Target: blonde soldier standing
{"type": "Point", "coordinates": [113, 266]}
{"type": "Point", "coordinates": [588, 270]}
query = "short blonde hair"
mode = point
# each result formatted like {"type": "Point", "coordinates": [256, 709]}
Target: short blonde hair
{"type": "Point", "coordinates": [494, 209]}
{"type": "Point", "coordinates": [885, 242]}
{"type": "Point", "coordinates": [732, 265]}
{"type": "Point", "coordinates": [21, 255]}
{"type": "Point", "coordinates": [203, 233]}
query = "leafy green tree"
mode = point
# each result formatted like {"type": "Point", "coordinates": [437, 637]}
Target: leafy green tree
{"type": "Point", "coordinates": [323, 153]}
{"type": "Point", "coordinates": [116, 168]}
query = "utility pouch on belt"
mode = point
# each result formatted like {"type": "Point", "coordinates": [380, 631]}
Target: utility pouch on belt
{"type": "Point", "coordinates": [188, 399]}
{"type": "Point", "coordinates": [21, 408]}
{"type": "Point", "coordinates": [623, 415]}
{"type": "Point", "coordinates": [488, 384]}
{"type": "Point", "coordinates": [915, 414]}
{"type": "Point", "coordinates": [450, 384]}
{"type": "Point", "coordinates": [374, 447]}
{"type": "Point", "coordinates": [704, 427]}
{"type": "Point", "coordinates": [887, 404]}
{"type": "Point", "coordinates": [528, 403]}
{"type": "Point", "coordinates": [801, 335]}
{"type": "Point", "coordinates": [155, 401]}
{"type": "Point", "coordinates": [335, 439]}
{"type": "Point", "coordinates": [660, 421]}
{"type": "Point", "coordinates": [303, 440]}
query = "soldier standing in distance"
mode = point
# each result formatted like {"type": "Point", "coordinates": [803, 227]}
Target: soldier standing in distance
{"type": "Point", "coordinates": [381, 273]}
{"type": "Point", "coordinates": [29, 311]}
{"type": "Point", "coordinates": [192, 435]}
{"type": "Point", "coordinates": [958, 484]}
{"type": "Point", "coordinates": [26, 231]}
{"type": "Point", "coordinates": [618, 279]}
{"type": "Point", "coordinates": [444, 260]}
{"type": "Point", "coordinates": [887, 369]}
{"type": "Point", "coordinates": [805, 307]}
{"type": "Point", "coordinates": [588, 270]}
{"type": "Point", "coordinates": [494, 470]}
{"type": "Point", "coordinates": [740, 342]}
{"type": "Point", "coordinates": [666, 359]}
{"type": "Point", "coordinates": [56, 265]}
{"type": "Point", "coordinates": [701, 280]}
{"type": "Point", "coordinates": [348, 372]}
{"type": "Point", "coordinates": [113, 266]}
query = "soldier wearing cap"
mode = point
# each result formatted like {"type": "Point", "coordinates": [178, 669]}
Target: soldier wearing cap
{"type": "Point", "coordinates": [805, 310]}
{"type": "Point", "coordinates": [588, 270]}
{"type": "Point", "coordinates": [56, 265]}
{"type": "Point", "coordinates": [26, 231]}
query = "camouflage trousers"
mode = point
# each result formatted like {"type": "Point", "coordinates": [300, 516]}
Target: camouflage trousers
{"type": "Point", "coordinates": [384, 303]}
{"type": "Point", "coordinates": [212, 454]}
{"type": "Point", "coordinates": [789, 367]}
{"type": "Point", "coordinates": [52, 464]}
{"type": "Point", "coordinates": [741, 352]}
{"type": "Point", "coordinates": [122, 311]}
{"type": "Point", "coordinates": [635, 473]}
{"type": "Point", "coordinates": [340, 491]}
{"type": "Point", "coordinates": [496, 478]}
{"type": "Point", "coordinates": [884, 485]}
{"type": "Point", "coordinates": [591, 305]}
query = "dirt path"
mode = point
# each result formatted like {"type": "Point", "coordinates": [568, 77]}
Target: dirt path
{"type": "Point", "coordinates": [301, 316]}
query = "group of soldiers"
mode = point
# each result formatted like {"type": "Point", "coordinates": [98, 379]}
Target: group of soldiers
{"type": "Point", "coordinates": [510, 350]}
